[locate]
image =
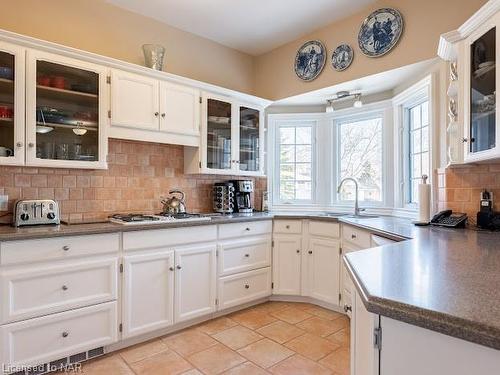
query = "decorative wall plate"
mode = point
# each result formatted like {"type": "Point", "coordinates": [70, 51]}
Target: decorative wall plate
{"type": "Point", "coordinates": [380, 32]}
{"type": "Point", "coordinates": [342, 57]}
{"type": "Point", "coordinates": [310, 60]}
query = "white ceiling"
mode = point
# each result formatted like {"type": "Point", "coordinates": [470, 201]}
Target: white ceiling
{"type": "Point", "coordinates": [254, 27]}
{"type": "Point", "coordinates": [369, 85]}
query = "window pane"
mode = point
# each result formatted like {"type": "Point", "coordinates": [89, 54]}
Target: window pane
{"type": "Point", "coordinates": [361, 158]}
{"type": "Point", "coordinates": [287, 136]}
{"type": "Point", "coordinates": [416, 141]}
{"type": "Point", "coordinates": [425, 164]}
{"type": "Point", "coordinates": [303, 154]}
{"type": "Point", "coordinates": [303, 190]}
{"type": "Point", "coordinates": [415, 166]}
{"type": "Point", "coordinates": [414, 190]}
{"type": "Point", "coordinates": [287, 190]}
{"type": "Point", "coordinates": [425, 113]}
{"type": "Point", "coordinates": [425, 138]}
{"type": "Point", "coordinates": [415, 117]}
{"type": "Point", "coordinates": [304, 135]}
{"type": "Point", "coordinates": [303, 172]}
{"type": "Point", "coordinates": [287, 172]}
{"type": "Point", "coordinates": [287, 154]}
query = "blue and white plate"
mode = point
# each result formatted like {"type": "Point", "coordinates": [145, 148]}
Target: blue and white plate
{"type": "Point", "coordinates": [342, 57]}
{"type": "Point", "coordinates": [380, 32]}
{"type": "Point", "coordinates": [310, 60]}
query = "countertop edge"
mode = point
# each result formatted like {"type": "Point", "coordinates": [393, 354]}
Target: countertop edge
{"type": "Point", "coordinates": [440, 322]}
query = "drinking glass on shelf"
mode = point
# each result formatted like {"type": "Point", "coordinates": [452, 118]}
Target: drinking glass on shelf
{"type": "Point", "coordinates": [62, 151]}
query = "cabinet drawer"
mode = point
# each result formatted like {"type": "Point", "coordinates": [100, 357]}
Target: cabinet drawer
{"type": "Point", "coordinates": [244, 287]}
{"type": "Point", "coordinates": [55, 336]}
{"type": "Point", "coordinates": [14, 252]}
{"type": "Point", "coordinates": [144, 239]}
{"type": "Point", "coordinates": [324, 229]}
{"type": "Point", "coordinates": [244, 255]}
{"type": "Point", "coordinates": [29, 292]}
{"type": "Point", "coordinates": [288, 226]}
{"type": "Point", "coordinates": [246, 229]}
{"type": "Point", "coordinates": [356, 236]}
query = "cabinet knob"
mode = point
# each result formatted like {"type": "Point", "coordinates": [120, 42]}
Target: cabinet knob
{"type": "Point", "coordinates": [288, 227]}
{"type": "Point", "coordinates": [465, 140]}
{"type": "Point", "coordinates": [247, 229]}
{"type": "Point", "coordinates": [247, 286]}
{"type": "Point", "coordinates": [157, 114]}
{"type": "Point", "coordinates": [298, 251]}
{"type": "Point", "coordinates": [247, 255]}
{"type": "Point", "coordinates": [171, 268]}
{"type": "Point", "coordinates": [65, 334]}
{"type": "Point", "coordinates": [310, 252]}
{"type": "Point", "coordinates": [163, 115]}
{"type": "Point", "coordinates": [64, 287]}
{"type": "Point", "coordinates": [179, 267]}
{"type": "Point", "coordinates": [353, 236]}
{"type": "Point", "coordinates": [19, 144]}
{"type": "Point", "coordinates": [31, 144]}
{"type": "Point", "coordinates": [347, 308]}
{"type": "Point", "coordinates": [65, 247]}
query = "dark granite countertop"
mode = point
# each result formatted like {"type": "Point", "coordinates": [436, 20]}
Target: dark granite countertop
{"type": "Point", "coordinates": [445, 280]}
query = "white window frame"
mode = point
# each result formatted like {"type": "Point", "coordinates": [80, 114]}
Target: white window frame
{"type": "Point", "coordinates": [291, 120]}
{"type": "Point", "coordinates": [423, 90]}
{"type": "Point", "coordinates": [355, 116]}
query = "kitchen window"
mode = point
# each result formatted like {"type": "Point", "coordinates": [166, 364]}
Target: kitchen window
{"type": "Point", "coordinates": [360, 154]}
{"type": "Point", "coordinates": [295, 172]}
{"type": "Point", "coordinates": [418, 148]}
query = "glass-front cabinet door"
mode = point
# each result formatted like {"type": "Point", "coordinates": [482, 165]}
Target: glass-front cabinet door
{"type": "Point", "coordinates": [11, 104]}
{"type": "Point", "coordinates": [65, 112]}
{"type": "Point", "coordinates": [219, 135]}
{"type": "Point", "coordinates": [250, 138]}
{"type": "Point", "coordinates": [482, 95]}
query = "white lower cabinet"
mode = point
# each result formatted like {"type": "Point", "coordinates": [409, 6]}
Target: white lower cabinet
{"type": "Point", "coordinates": [323, 257]}
{"type": "Point", "coordinates": [148, 292]}
{"type": "Point", "coordinates": [287, 264]}
{"type": "Point", "coordinates": [244, 287]}
{"type": "Point", "coordinates": [244, 255]}
{"type": "Point", "coordinates": [55, 336]}
{"type": "Point", "coordinates": [195, 281]}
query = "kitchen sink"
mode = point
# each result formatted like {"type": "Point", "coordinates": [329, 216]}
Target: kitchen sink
{"type": "Point", "coordinates": [363, 216]}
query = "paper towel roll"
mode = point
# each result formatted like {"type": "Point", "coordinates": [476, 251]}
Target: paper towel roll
{"type": "Point", "coordinates": [424, 202]}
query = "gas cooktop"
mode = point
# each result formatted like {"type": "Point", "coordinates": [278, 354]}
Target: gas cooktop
{"type": "Point", "coordinates": [131, 219]}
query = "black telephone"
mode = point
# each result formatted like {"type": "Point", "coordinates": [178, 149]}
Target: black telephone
{"type": "Point", "coordinates": [449, 219]}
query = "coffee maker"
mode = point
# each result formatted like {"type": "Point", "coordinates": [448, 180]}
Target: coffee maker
{"type": "Point", "coordinates": [243, 190]}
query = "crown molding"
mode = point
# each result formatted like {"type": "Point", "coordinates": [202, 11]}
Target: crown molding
{"type": "Point", "coordinates": [447, 42]}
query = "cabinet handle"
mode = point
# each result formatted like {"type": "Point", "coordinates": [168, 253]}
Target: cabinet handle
{"type": "Point", "coordinates": [247, 286]}
{"type": "Point", "coordinates": [19, 144]}
{"type": "Point", "coordinates": [179, 267]}
{"type": "Point", "coordinates": [171, 268]}
{"type": "Point", "coordinates": [31, 144]}
{"type": "Point", "coordinates": [310, 252]}
{"type": "Point", "coordinates": [347, 308]}
{"type": "Point", "coordinates": [298, 251]}
{"type": "Point", "coordinates": [464, 140]}
{"type": "Point", "coordinates": [353, 236]}
{"type": "Point", "coordinates": [247, 255]}
{"type": "Point", "coordinates": [163, 115]}
{"type": "Point", "coordinates": [157, 114]}
{"type": "Point", "coordinates": [287, 227]}
{"type": "Point", "coordinates": [65, 334]}
{"type": "Point", "coordinates": [247, 229]}
{"type": "Point", "coordinates": [65, 247]}
{"type": "Point", "coordinates": [64, 287]}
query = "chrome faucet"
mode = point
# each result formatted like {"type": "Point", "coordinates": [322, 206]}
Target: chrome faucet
{"type": "Point", "coordinates": [356, 206]}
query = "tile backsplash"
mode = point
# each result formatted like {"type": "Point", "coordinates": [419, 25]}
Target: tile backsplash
{"type": "Point", "coordinates": [138, 174]}
{"type": "Point", "coordinates": [459, 187]}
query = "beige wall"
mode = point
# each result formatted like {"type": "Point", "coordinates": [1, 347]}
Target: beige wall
{"type": "Point", "coordinates": [96, 26]}
{"type": "Point", "coordinates": [425, 20]}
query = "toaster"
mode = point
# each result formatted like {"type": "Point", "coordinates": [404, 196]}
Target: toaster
{"type": "Point", "coordinates": [36, 211]}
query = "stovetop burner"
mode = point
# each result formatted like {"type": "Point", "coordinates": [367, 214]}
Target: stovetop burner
{"type": "Point", "coordinates": [130, 218]}
{"type": "Point", "coordinates": [156, 219]}
{"type": "Point", "coordinates": [184, 215]}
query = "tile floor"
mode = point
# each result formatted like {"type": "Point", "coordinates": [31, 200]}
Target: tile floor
{"type": "Point", "coordinates": [271, 338]}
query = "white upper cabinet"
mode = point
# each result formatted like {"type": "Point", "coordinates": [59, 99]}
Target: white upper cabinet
{"type": "Point", "coordinates": [148, 109]}
{"type": "Point", "coordinates": [134, 101]}
{"type": "Point", "coordinates": [66, 120]}
{"type": "Point", "coordinates": [179, 109]}
{"type": "Point", "coordinates": [11, 104]}
{"type": "Point", "coordinates": [232, 138]}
